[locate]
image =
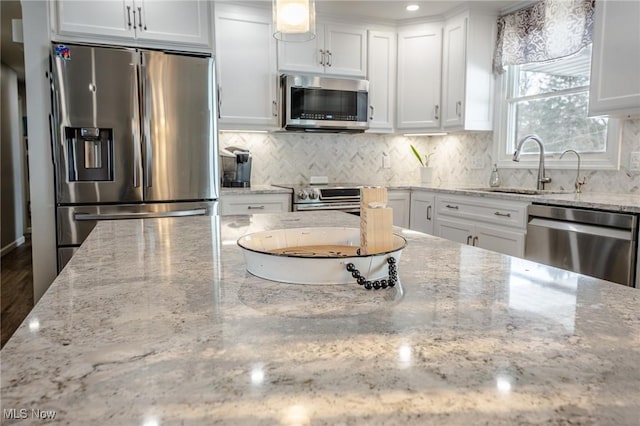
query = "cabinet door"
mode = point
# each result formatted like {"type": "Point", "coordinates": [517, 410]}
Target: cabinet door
{"type": "Point", "coordinates": [615, 63]}
{"type": "Point", "coordinates": [382, 78]}
{"type": "Point", "coordinates": [454, 230]}
{"type": "Point", "coordinates": [500, 240]}
{"type": "Point", "coordinates": [101, 17]}
{"type": "Point", "coordinates": [247, 76]}
{"type": "Point", "coordinates": [422, 212]}
{"type": "Point", "coordinates": [400, 201]}
{"type": "Point", "coordinates": [453, 72]}
{"type": "Point", "coordinates": [419, 71]}
{"type": "Point", "coordinates": [305, 56]}
{"type": "Point", "coordinates": [347, 50]}
{"type": "Point", "coordinates": [178, 21]}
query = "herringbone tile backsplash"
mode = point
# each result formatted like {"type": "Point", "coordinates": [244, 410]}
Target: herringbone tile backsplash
{"type": "Point", "coordinates": [294, 157]}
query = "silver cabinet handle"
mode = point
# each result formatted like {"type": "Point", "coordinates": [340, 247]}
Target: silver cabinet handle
{"type": "Point", "coordinates": [459, 108]}
{"type": "Point", "coordinates": [372, 111]}
{"type": "Point", "coordinates": [139, 215]}
{"type": "Point", "coordinates": [502, 214]}
{"type": "Point", "coordinates": [330, 58]}
{"type": "Point", "coordinates": [255, 207]}
{"type": "Point", "coordinates": [428, 212]}
{"type": "Point", "coordinates": [475, 240]}
{"type": "Point", "coordinates": [322, 57]}
{"type": "Point", "coordinates": [140, 19]}
{"type": "Point", "coordinates": [469, 239]}
{"type": "Point", "coordinates": [449, 206]}
{"type": "Point", "coordinates": [274, 108]}
{"type": "Point", "coordinates": [129, 16]}
{"type": "Point", "coordinates": [436, 112]}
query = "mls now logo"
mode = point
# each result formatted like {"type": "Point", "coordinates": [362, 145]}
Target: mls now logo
{"type": "Point", "coordinates": [23, 413]}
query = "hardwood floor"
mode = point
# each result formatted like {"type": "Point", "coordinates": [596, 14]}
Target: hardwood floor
{"type": "Point", "coordinates": [16, 289]}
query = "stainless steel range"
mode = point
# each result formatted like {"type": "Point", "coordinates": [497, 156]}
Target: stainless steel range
{"type": "Point", "coordinates": [341, 197]}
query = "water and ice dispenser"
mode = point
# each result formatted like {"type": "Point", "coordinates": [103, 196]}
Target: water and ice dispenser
{"type": "Point", "coordinates": [90, 152]}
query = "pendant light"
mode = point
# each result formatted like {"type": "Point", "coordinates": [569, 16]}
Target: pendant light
{"type": "Point", "coordinates": [294, 20]}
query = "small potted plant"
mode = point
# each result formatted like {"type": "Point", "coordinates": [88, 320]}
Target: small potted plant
{"type": "Point", "coordinates": [425, 170]}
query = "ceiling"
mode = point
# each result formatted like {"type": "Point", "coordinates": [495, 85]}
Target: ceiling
{"type": "Point", "coordinates": [381, 10]}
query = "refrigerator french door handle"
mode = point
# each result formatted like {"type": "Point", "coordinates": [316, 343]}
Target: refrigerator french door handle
{"type": "Point", "coordinates": [139, 215]}
{"type": "Point", "coordinates": [136, 129]}
{"type": "Point", "coordinates": [146, 140]}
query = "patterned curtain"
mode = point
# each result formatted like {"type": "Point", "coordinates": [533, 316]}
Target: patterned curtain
{"type": "Point", "coordinates": [545, 31]}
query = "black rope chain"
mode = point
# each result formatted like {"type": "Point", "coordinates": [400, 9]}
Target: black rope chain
{"type": "Point", "coordinates": [377, 284]}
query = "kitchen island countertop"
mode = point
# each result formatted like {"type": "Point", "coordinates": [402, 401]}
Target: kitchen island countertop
{"type": "Point", "coordinates": [157, 322]}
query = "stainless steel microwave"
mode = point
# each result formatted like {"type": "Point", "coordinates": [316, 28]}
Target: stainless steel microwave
{"type": "Point", "coordinates": [323, 104]}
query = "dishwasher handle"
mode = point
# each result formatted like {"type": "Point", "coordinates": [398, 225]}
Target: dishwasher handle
{"type": "Point", "coordinates": [581, 228]}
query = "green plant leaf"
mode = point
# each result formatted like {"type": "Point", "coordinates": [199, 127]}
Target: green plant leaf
{"type": "Point", "coordinates": [417, 154]}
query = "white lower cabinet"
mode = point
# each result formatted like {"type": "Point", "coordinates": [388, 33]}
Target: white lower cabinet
{"type": "Point", "coordinates": [399, 201]}
{"type": "Point", "coordinates": [254, 203]}
{"type": "Point", "coordinates": [422, 216]}
{"type": "Point", "coordinates": [493, 224]}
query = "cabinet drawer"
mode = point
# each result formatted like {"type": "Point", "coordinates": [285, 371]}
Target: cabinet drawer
{"type": "Point", "coordinates": [499, 212]}
{"type": "Point", "coordinates": [255, 203]}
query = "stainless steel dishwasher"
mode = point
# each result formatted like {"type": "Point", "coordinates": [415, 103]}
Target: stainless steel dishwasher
{"type": "Point", "coordinates": [596, 243]}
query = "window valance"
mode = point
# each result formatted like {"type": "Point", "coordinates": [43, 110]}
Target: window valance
{"type": "Point", "coordinates": [547, 30]}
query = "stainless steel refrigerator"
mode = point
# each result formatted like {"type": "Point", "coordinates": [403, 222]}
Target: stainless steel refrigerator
{"type": "Point", "coordinates": [134, 135]}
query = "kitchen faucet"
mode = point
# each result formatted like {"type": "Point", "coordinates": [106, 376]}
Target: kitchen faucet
{"type": "Point", "coordinates": [542, 179]}
{"type": "Point", "coordinates": [579, 182]}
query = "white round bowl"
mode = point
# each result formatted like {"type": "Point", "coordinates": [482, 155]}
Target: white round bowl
{"type": "Point", "coordinates": [292, 265]}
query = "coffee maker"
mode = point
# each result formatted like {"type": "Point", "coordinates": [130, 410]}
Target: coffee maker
{"type": "Point", "coordinates": [236, 167]}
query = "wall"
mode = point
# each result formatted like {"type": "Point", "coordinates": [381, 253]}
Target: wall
{"type": "Point", "coordinates": [12, 182]}
{"type": "Point", "coordinates": [36, 56]}
{"type": "Point", "coordinates": [293, 157]}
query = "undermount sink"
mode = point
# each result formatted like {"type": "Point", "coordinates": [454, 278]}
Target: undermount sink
{"type": "Point", "coordinates": [520, 191]}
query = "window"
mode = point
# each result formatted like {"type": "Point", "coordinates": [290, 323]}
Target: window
{"type": "Point", "coordinates": [551, 100]}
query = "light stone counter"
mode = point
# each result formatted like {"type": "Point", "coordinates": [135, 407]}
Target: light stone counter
{"type": "Point", "coordinates": [590, 200]}
{"type": "Point", "coordinates": [157, 322]}
{"type": "Point", "coordinates": [254, 189]}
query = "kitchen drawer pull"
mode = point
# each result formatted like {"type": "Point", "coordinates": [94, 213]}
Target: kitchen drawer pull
{"type": "Point", "coordinates": [322, 57]}
{"type": "Point", "coordinates": [469, 239]}
{"type": "Point", "coordinates": [139, 215]}
{"type": "Point", "coordinates": [330, 62]}
{"type": "Point", "coordinates": [459, 108]}
{"type": "Point", "coordinates": [502, 214]}
{"type": "Point", "coordinates": [274, 108]}
{"type": "Point", "coordinates": [436, 112]}
{"type": "Point", "coordinates": [449, 206]}
{"type": "Point", "coordinates": [255, 207]}
{"type": "Point", "coordinates": [428, 212]}
{"type": "Point", "coordinates": [475, 240]}
{"type": "Point", "coordinates": [372, 110]}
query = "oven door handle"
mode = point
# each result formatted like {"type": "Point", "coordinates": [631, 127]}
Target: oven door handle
{"type": "Point", "coordinates": [331, 207]}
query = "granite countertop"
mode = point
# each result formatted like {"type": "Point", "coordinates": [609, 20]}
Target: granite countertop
{"type": "Point", "coordinates": [254, 189]}
{"type": "Point", "coordinates": [157, 322]}
{"type": "Point", "coordinates": [592, 200]}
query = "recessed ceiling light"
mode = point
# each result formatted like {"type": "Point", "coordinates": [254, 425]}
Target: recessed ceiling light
{"type": "Point", "coordinates": [413, 7]}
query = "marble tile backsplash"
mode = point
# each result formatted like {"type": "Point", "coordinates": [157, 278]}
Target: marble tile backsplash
{"type": "Point", "coordinates": [294, 157]}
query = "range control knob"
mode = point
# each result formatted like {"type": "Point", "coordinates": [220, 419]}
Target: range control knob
{"type": "Point", "coordinates": [302, 195]}
{"type": "Point", "coordinates": [313, 195]}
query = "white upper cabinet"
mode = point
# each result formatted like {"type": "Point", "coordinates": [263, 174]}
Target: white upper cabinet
{"type": "Point", "coordinates": [419, 77]}
{"type": "Point", "coordinates": [615, 62]}
{"type": "Point", "coordinates": [337, 49]}
{"type": "Point", "coordinates": [181, 23]}
{"type": "Point", "coordinates": [247, 72]}
{"type": "Point", "coordinates": [467, 79]}
{"type": "Point", "coordinates": [381, 74]}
